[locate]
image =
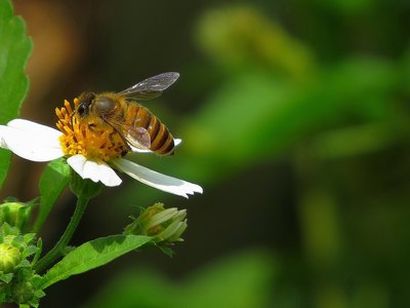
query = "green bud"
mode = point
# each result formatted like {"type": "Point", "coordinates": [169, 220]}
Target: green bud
{"type": "Point", "coordinates": [16, 214]}
{"type": "Point", "coordinates": [10, 254]}
{"type": "Point", "coordinates": [23, 292]}
{"type": "Point", "coordinates": [164, 225]}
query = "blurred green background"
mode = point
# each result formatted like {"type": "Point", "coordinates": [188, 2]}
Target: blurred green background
{"type": "Point", "coordinates": [294, 117]}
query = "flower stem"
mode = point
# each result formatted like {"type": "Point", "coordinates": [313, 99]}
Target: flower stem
{"type": "Point", "coordinates": [56, 251]}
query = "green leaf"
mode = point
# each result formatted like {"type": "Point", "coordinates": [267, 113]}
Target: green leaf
{"type": "Point", "coordinates": [240, 281]}
{"type": "Point", "coordinates": [244, 280]}
{"type": "Point", "coordinates": [52, 182]}
{"type": "Point", "coordinates": [262, 117]}
{"type": "Point", "coordinates": [93, 254]}
{"type": "Point", "coordinates": [6, 277]}
{"type": "Point", "coordinates": [15, 47]}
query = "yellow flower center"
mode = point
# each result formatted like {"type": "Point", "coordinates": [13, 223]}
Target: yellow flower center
{"type": "Point", "coordinates": [89, 136]}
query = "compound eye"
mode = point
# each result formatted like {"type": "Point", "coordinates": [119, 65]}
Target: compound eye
{"type": "Point", "coordinates": [82, 110]}
{"type": "Point", "coordinates": [104, 105]}
{"type": "Point", "coordinates": [85, 102]}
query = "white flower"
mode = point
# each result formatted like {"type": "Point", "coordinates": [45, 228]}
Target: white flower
{"type": "Point", "coordinates": [41, 143]}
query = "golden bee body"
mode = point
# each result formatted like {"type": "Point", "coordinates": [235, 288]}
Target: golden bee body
{"type": "Point", "coordinates": [138, 126]}
{"type": "Point", "coordinates": [133, 115]}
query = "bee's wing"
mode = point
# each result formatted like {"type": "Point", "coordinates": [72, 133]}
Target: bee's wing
{"type": "Point", "coordinates": [152, 87]}
{"type": "Point", "coordinates": [136, 137]}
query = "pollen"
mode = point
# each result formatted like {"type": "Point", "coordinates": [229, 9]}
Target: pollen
{"type": "Point", "coordinates": [89, 136]}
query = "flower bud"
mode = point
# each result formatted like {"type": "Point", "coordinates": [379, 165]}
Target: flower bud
{"type": "Point", "coordinates": [23, 292]}
{"type": "Point", "coordinates": [164, 225]}
{"type": "Point", "coordinates": [16, 214]}
{"type": "Point", "coordinates": [10, 254]}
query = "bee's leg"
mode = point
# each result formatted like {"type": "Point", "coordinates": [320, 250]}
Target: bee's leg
{"type": "Point", "coordinates": [119, 133]}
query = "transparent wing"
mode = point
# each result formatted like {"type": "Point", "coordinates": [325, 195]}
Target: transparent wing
{"type": "Point", "coordinates": [152, 87]}
{"type": "Point", "coordinates": [136, 137]}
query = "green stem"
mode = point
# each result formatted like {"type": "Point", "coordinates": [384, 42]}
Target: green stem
{"type": "Point", "coordinates": [62, 243]}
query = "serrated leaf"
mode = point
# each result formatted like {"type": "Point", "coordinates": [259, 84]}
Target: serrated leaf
{"type": "Point", "coordinates": [6, 277]}
{"type": "Point", "coordinates": [30, 250]}
{"type": "Point", "coordinates": [38, 252]}
{"type": "Point", "coordinates": [92, 254]}
{"type": "Point", "coordinates": [29, 237]}
{"type": "Point", "coordinates": [15, 47]}
{"type": "Point", "coordinates": [32, 303]}
{"type": "Point", "coordinates": [24, 263]}
{"type": "Point", "coordinates": [36, 280]}
{"type": "Point", "coordinates": [39, 293]}
{"type": "Point", "coordinates": [52, 183]}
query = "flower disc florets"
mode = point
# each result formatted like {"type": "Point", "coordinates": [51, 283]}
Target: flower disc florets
{"type": "Point", "coordinates": [90, 137]}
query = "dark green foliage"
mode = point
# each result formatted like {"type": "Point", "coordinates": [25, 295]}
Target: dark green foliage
{"type": "Point", "coordinates": [15, 48]}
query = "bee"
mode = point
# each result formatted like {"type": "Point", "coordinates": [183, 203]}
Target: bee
{"type": "Point", "coordinates": [138, 127]}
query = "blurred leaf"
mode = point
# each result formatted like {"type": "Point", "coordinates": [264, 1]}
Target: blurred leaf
{"type": "Point", "coordinates": [405, 70]}
{"type": "Point", "coordinates": [242, 38]}
{"type": "Point", "coordinates": [15, 48]}
{"type": "Point", "coordinates": [357, 140]}
{"type": "Point", "coordinates": [320, 227]}
{"type": "Point", "coordinates": [239, 281]}
{"type": "Point", "coordinates": [348, 7]}
{"type": "Point", "coordinates": [92, 254]}
{"type": "Point", "coordinates": [256, 116]}
{"type": "Point", "coordinates": [54, 179]}
{"type": "Point", "coordinates": [147, 289]}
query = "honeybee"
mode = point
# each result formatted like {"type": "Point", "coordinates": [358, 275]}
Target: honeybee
{"type": "Point", "coordinates": [137, 126]}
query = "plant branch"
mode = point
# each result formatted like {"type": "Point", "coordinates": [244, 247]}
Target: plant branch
{"type": "Point", "coordinates": [56, 251]}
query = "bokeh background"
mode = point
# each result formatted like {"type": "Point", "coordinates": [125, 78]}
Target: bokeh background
{"type": "Point", "coordinates": [294, 117]}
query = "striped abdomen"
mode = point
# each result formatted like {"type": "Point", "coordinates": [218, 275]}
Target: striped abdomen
{"type": "Point", "coordinates": [162, 142]}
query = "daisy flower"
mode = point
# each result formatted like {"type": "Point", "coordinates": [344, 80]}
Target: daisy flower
{"type": "Point", "coordinates": [91, 150]}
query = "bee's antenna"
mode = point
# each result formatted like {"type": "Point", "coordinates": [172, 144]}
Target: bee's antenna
{"type": "Point", "coordinates": [72, 116]}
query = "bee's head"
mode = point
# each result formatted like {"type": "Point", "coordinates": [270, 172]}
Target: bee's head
{"type": "Point", "coordinates": [85, 101]}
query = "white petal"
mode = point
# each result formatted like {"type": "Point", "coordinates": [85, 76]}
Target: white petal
{"type": "Point", "coordinates": [34, 127]}
{"type": "Point", "coordinates": [157, 180]}
{"type": "Point", "coordinates": [77, 163]}
{"type": "Point", "coordinates": [108, 176]}
{"type": "Point", "coordinates": [31, 141]}
{"type": "Point", "coordinates": [94, 171]}
{"type": "Point", "coordinates": [177, 141]}
{"type": "Point", "coordinates": [91, 171]}
{"type": "Point", "coordinates": [101, 172]}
